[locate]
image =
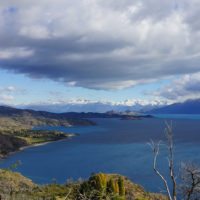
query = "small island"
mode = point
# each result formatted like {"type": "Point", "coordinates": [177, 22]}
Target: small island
{"type": "Point", "coordinates": [135, 117]}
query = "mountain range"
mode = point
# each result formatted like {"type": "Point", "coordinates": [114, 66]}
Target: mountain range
{"type": "Point", "coordinates": [75, 118]}
{"type": "Point", "coordinates": [187, 107]}
{"type": "Point", "coordinates": [89, 109]}
{"type": "Point", "coordinates": [96, 106]}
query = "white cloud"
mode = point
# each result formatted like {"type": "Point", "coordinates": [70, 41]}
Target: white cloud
{"type": "Point", "coordinates": [35, 32]}
{"type": "Point", "coordinates": [8, 94]}
{"type": "Point", "coordinates": [6, 99]}
{"type": "Point", "coordinates": [100, 44]}
{"type": "Point", "coordinates": [17, 52]}
{"type": "Point", "coordinates": [185, 87]}
{"type": "Point", "coordinates": [8, 89]}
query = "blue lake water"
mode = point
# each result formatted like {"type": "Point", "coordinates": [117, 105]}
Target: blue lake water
{"type": "Point", "coordinates": [113, 146]}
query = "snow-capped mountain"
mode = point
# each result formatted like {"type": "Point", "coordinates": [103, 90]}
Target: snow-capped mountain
{"type": "Point", "coordinates": [83, 105]}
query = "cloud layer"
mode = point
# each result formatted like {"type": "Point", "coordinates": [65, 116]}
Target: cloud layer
{"type": "Point", "coordinates": [100, 44]}
{"type": "Point", "coordinates": [8, 93]}
{"type": "Point", "coordinates": [185, 87]}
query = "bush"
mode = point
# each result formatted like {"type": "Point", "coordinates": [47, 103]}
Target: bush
{"type": "Point", "coordinates": [101, 186]}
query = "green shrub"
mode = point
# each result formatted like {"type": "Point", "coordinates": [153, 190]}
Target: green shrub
{"type": "Point", "coordinates": [121, 186]}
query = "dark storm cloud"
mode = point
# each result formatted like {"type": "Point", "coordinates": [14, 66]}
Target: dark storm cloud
{"type": "Point", "coordinates": [99, 44]}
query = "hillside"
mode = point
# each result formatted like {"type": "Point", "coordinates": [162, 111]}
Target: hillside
{"type": "Point", "coordinates": [11, 141]}
{"type": "Point", "coordinates": [12, 118]}
{"type": "Point", "coordinates": [16, 128]}
{"type": "Point", "coordinates": [9, 144]}
{"type": "Point", "coordinates": [187, 107]}
{"type": "Point", "coordinates": [16, 125]}
{"type": "Point", "coordinates": [20, 119]}
{"type": "Point", "coordinates": [97, 187]}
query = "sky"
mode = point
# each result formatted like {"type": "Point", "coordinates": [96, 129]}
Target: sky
{"type": "Point", "coordinates": [99, 50]}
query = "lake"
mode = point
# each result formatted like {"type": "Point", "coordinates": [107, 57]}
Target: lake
{"type": "Point", "coordinates": [113, 146]}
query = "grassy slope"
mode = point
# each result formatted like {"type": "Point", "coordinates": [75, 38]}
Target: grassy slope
{"type": "Point", "coordinates": [13, 121]}
{"type": "Point", "coordinates": [41, 136]}
{"type": "Point", "coordinates": [28, 122]}
{"type": "Point", "coordinates": [11, 141]}
{"type": "Point", "coordinates": [15, 186]}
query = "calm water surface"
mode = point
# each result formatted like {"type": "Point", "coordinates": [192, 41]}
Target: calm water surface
{"type": "Point", "coordinates": [113, 146]}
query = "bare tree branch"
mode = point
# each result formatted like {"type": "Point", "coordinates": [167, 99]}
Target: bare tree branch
{"type": "Point", "coordinates": [170, 145]}
{"type": "Point", "coordinates": [190, 176]}
{"type": "Point", "coordinates": [156, 149]}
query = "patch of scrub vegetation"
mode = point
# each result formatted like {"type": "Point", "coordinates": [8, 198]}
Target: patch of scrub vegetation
{"type": "Point", "coordinates": [11, 141]}
{"type": "Point", "coordinates": [98, 187]}
{"type": "Point", "coordinates": [41, 136]}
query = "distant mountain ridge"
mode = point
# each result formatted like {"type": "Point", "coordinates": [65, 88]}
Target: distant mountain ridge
{"type": "Point", "coordinates": [16, 125]}
{"type": "Point", "coordinates": [97, 106]}
{"type": "Point", "coordinates": [187, 107]}
{"type": "Point", "coordinates": [6, 111]}
{"type": "Point", "coordinates": [14, 118]}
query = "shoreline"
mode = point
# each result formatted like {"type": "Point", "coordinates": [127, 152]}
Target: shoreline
{"type": "Point", "coordinates": [3, 157]}
{"type": "Point", "coordinates": [45, 143]}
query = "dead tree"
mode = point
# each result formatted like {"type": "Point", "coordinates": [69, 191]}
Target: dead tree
{"type": "Point", "coordinates": [172, 195]}
{"type": "Point", "coordinates": [190, 177]}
